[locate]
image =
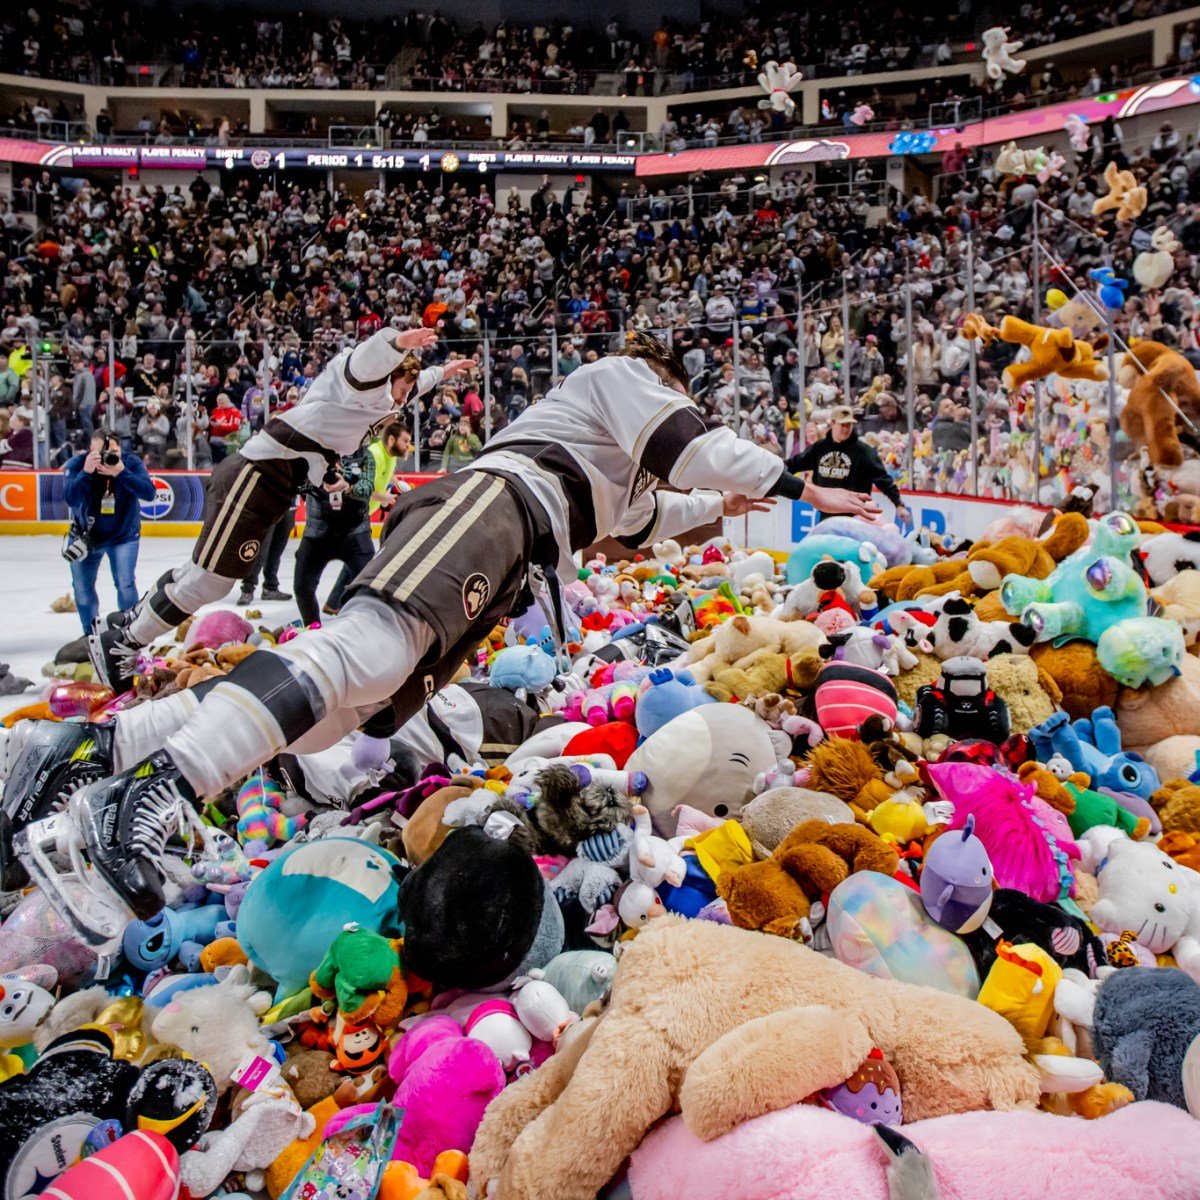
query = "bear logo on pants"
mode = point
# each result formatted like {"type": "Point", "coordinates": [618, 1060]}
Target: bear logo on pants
{"type": "Point", "coordinates": [476, 591]}
{"type": "Point", "coordinates": [249, 550]}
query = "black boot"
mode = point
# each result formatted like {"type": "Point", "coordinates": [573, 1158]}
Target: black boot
{"type": "Point", "coordinates": [42, 764]}
{"type": "Point", "coordinates": [125, 823]}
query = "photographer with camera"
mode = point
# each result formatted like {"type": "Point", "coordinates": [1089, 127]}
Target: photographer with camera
{"type": "Point", "coordinates": [102, 488]}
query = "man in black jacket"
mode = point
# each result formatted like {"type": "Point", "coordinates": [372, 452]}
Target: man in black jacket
{"type": "Point", "coordinates": [840, 460]}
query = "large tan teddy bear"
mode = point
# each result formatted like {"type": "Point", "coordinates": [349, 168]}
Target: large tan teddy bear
{"type": "Point", "coordinates": [1162, 723]}
{"type": "Point", "coordinates": [742, 641]}
{"type": "Point", "coordinates": [724, 1025]}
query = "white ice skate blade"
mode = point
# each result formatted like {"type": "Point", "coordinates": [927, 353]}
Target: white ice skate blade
{"type": "Point", "coordinates": [81, 897]}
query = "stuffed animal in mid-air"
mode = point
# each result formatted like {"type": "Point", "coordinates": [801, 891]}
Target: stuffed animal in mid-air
{"type": "Point", "coordinates": [779, 82]}
{"type": "Point", "coordinates": [998, 53]}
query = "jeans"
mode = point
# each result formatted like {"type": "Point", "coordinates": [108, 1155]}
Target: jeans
{"type": "Point", "coordinates": [122, 559]}
{"type": "Point", "coordinates": [267, 562]}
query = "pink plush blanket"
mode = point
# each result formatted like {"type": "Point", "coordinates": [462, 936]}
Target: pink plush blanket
{"type": "Point", "coordinates": [1148, 1151]}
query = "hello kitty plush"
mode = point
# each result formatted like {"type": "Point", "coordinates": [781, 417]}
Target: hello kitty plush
{"type": "Point", "coordinates": [998, 53]}
{"type": "Point", "coordinates": [1144, 890]}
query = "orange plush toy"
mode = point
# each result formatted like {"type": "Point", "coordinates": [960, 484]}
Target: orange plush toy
{"type": "Point", "coordinates": [1124, 195]}
{"type": "Point", "coordinates": [1148, 416]}
{"type": "Point", "coordinates": [1052, 351]}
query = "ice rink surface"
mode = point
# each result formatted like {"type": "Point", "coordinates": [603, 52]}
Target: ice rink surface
{"type": "Point", "coordinates": [33, 573]}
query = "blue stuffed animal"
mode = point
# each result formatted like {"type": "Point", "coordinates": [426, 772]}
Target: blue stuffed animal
{"type": "Point", "coordinates": [669, 694]}
{"type": "Point", "coordinates": [1094, 747]}
{"type": "Point", "coordinates": [1087, 593]}
{"type": "Point", "coordinates": [173, 933]}
{"type": "Point", "coordinates": [526, 667]}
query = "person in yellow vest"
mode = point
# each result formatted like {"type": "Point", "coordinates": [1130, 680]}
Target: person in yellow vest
{"type": "Point", "coordinates": [386, 452]}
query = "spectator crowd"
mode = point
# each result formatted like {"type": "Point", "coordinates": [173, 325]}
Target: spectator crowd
{"type": "Point", "coordinates": [178, 318]}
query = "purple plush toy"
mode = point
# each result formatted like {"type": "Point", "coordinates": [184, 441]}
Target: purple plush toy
{"type": "Point", "coordinates": [871, 1095]}
{"type": "Point", "coordinates": [957, 879]}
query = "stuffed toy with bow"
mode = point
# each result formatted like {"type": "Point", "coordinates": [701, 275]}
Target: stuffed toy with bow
{"type": "Point", "coordinates": [778, 82]}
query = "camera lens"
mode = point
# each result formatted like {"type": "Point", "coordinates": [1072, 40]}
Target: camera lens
{"type": "Point", "coordinates": [110, 458]}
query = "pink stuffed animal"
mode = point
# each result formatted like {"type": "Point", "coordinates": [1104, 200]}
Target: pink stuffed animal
{"type": "Point", "coordinates": [445, 1081]}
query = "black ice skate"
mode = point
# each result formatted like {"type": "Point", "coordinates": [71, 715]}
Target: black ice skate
{"type": "Point", "coordinates": [118, 828]}
{"type": "Point", "coordinates": [113, 655]}
{"type": "Point", "coordinates": [42, 764]}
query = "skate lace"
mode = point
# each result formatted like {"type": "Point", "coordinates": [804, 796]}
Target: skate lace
{"type": "Point", "coordinates": [156, 818]}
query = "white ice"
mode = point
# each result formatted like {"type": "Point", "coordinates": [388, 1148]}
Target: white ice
{"type": "Point", "coordinates": [33, 573]}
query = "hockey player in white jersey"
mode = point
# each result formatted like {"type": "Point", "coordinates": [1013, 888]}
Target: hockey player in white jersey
{"type": "Point", "coordinates": [252, 489]}
{"type": "Point", "coordinates": [456, 556]}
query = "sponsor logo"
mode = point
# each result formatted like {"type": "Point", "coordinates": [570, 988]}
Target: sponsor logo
{"type": "Point", "coordinates": [248, 551]}
{"type": "Point", "coordinates": [163, 502]}
{"type": "Point", "coordinates": [475, 593]}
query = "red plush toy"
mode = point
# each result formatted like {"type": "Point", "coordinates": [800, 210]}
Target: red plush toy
{"type": "Point", "coordinates": [141, 1164]}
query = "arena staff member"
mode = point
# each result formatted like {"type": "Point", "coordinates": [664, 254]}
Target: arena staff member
{"type": "Point", "coordinates": [456, 556]}
{"type": "Point", "coordinates": [102, 488]}
{"type": "Point", "coordinates": [840, 460]}
{"type": "Point", "coordinates": [252, 489]}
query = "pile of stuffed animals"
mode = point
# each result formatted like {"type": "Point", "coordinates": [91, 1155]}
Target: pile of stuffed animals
{"type": "Point", "coordinates": [831, 849]}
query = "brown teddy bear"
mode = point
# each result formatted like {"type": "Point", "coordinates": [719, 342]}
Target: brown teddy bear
{"type": "Point", "coordinates": [1152, 372]}
{"type": "Point", "coordinates": [775, 895]}
{"type": "Point", "coordinates": [1178, 806]}
{"type": "Point", "coordinates": [1049, 786]}
{"type": "Point", "coordinates": [1182, 847]}
{"type": "Point", "coordinates": [1162, 724]}
{"type": "Point", "coordinates": [987, 564]}
{"type": "Point", "coordinates": [1182, 510]}
{"type": "Point", "coordinates": [769, 673]}
{"type": "Point", "coordinates": [722, 1025]}
{"type": "Point", "coordinates": [1083, 684]}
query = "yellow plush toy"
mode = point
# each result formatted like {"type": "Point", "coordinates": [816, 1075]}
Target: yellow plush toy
{"type": "Point", "coordinates": [1020, 987]}
{"type": "Point", "coordinates": [1180, 600]}
{"type": "Point", "coordinates": [1051, 351]}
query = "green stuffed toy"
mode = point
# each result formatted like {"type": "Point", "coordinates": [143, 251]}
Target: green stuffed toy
{"type": "Point", "coordinates": [362, 970]}
{"type": "Point", "coordinates": [1095, 808]}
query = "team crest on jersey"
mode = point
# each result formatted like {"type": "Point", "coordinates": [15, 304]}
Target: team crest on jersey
{"type": "Point", "coordinates": [642, 482]}
{"type": "Point", "coordinates": [248, 551]}
{"type": "Point", "coordinates": [475, 593]}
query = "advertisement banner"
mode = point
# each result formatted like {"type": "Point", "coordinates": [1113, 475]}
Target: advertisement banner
{"type": "Point", "coordinates": [789, 521]}
{"type": "Point", "coordinates": [32, 501]}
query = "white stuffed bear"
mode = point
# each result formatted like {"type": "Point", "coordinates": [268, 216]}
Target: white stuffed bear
{"type": "Point", "coordinates": [998, 53]}
{"type": "Point", "coordinates": [1012, 160]}
{"type": "Point", "coordinates": [778, 82]}
{"type": "Point", "coordinates": [1143, 889]}
{"type": "Point", "coordinates": [1152, 268]}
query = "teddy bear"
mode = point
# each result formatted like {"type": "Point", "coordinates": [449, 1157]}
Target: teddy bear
{"type": "Point", "coordinates": [988, 564]}
{"type": "Point", "coordinates": [1179, 600]}
{"type": "Point", "coordinates": [1177, 803]}
{"type": "Point", "coordinates": [1152, 268]}
{"type": "Point", "coordinates": [1162, 723]}
{"type": "Point", "coordinates": [772, 673]}
{"type": "Point", "coordinates": [775, 894]}
{"type": "Point", "coordinates": [1029, 691]}
{"type": "Point", "coordinates": [1182, 510]}
{"type": "Point", "coordinates": [800, 1022]}
{"type": "Point", "coordinates": [1124, 194]}
{"type": "Point", "coordinates": [743, 640]}
{"type": "Point", "coordinates": [1051, 351]}
{"type": "Point", "coordinates": [773, 814]}
{"type": "Point", "coordinates": [1075, 671]}
{"type": "Point", "coordinates": [1153, 372]}
{"type": "Point", "coordinates": [998, 53]}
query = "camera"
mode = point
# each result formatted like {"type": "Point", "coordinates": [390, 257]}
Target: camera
{"type": "Point", "coordinates": [110, 458]}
